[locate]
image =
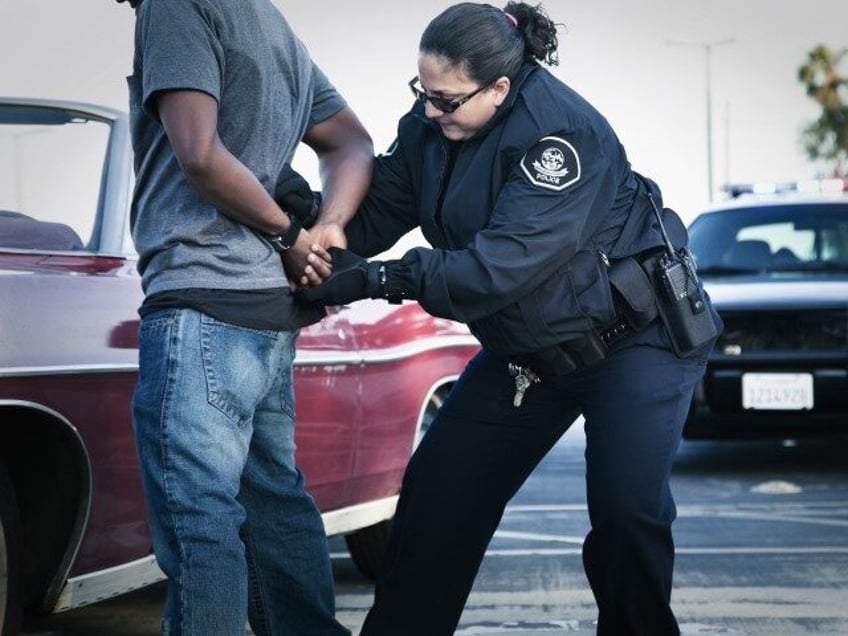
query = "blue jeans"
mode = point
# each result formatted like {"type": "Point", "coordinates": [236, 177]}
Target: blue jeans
{"type": "Point", "coordinates": [233, 527]}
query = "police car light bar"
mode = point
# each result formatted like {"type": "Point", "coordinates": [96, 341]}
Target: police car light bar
{"type": "Point", "coordinates": [813, 186]}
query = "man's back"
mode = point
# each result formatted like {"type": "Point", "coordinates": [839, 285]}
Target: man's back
{"type": "Point", "coordinates": [245, 55]}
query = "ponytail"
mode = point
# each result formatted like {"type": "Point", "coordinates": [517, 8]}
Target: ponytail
{"type": "Point", "coordinates": [538, 31]}
{"type": "Point", "coordinates": [488, 42]}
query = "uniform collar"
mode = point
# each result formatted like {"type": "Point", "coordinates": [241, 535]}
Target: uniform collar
{"type": "Point", "coordinates": [514, 91]}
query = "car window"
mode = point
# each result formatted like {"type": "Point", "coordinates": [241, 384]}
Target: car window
{"type": "Point", "coordinates": [835, 243]}
{"type": "Point", "coordinates": [772, 238]}
{"type": "Point", "coordinates": [51, 168]}
{"type": "Point", "coordinates": [783, 237]}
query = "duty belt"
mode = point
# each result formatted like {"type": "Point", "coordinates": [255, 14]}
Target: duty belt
{"type": "Point", "coordinates": [576, 353]}
{"type": "Point", "coordinates": [615, 331]}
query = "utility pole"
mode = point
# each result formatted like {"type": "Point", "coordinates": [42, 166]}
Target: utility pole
{"type": "Point", "coordinates": [708, 50]}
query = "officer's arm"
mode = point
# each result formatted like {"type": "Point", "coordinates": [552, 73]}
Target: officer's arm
{"type": "Point", "coordinates": [536, 228]}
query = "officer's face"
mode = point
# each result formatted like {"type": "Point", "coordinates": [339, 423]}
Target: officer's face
{"type": "Point", "coordinates": [441, 79]}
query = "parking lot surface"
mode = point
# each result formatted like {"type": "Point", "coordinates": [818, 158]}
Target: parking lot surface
{"type": "Point", "coordinates": [762, 550]}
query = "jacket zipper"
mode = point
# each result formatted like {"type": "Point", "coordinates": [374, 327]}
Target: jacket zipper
{"type": "Point", "coordinates": [438, 221]}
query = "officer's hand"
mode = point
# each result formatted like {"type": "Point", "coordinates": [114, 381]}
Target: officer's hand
{"type": "Point", "coordinates": [293, 194]}
{"type": "Point", "coordinates": [353, 278]}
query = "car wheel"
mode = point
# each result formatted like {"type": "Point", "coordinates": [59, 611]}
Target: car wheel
{"type": "Point", "coordinates": [367, 547]}
{"type": "Point", "coordinates": [10, 588]}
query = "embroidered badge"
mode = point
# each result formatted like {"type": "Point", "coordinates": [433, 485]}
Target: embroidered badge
{"type": "Point", "coordinates": [552, 163]}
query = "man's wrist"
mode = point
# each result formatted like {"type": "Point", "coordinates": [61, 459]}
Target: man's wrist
{"type": "Point", "coordinates": [284, 240]}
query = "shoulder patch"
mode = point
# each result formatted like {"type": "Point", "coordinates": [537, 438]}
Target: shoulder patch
{"type": "Point", "coordinates": [552, 163]}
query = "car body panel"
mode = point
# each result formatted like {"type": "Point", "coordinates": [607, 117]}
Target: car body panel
{"type": "Point", "coordinates": [69, 362]}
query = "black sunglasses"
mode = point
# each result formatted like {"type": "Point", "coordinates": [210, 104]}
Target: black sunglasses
{"type": "Point", "coordinates": [442, 104]}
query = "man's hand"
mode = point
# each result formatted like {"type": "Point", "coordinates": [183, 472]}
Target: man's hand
{"type": "Point", "coordinates": [306, 254]}
{"type": "Point", "coordinates": [326, 235]}
{"type": "Point", "coordinates": [329, 235]}
{"type": "Point", "coordinates": [353, 278]}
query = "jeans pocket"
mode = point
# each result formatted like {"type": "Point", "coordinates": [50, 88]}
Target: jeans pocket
{"type": "Point", "coordinates": [240, 366]}
{"type": "Point", "coordinates": [155, 351]}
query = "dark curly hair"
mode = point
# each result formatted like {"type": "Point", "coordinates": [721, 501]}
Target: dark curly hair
{"type": "Point", "coordinates": [488, 42]}
{"type": "Point", "coordinates": [132, 3]}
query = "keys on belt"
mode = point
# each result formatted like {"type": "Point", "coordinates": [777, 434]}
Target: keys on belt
{"type": "Point", "coordinates": [524, 378]}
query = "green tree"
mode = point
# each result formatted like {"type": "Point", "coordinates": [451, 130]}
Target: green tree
{"type": "Point", "coordinates": [826, 81]}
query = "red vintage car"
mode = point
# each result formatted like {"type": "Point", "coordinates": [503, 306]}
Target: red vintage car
{"type": "Point", "coordinates": [73, 526]}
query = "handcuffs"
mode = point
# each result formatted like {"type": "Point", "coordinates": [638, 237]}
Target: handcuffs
{"type": "Point", "coordinates": [284, 240]}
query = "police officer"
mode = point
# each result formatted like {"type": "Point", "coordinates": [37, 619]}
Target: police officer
{"type": "Point", "coordinates": [526, 196]}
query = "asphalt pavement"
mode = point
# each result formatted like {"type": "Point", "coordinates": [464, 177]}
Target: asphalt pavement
{"type": "Point", "coordinates": [761, 536]}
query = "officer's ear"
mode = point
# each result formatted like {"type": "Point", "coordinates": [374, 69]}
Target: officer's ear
{"type": "Point", "coordinates": [501, 89]}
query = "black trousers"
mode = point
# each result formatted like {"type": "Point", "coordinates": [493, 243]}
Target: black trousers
{"type": "Point", "coordinates": [480, 450]}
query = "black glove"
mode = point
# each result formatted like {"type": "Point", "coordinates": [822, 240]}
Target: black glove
{"type": "Point", "coordinates": [293, 194]}
{"type": "Point", "coordinates": [353, 278]}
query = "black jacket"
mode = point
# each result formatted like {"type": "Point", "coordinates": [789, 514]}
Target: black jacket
{"type": "Point", "coordinates": [521, 218]}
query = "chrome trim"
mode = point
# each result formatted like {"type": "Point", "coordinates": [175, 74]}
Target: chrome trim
{"type": "Point", "coordinates": [448, 379]}
{"type": "Point", "coordinates": [304, 357]}
{"type": "Point", "coordinates": [374, 356]}
{"type": "Point", "coordinates": [115, 198]}
{"type": "Point", "coordinates": [120, 579]}
{"type": "Point", "coordinates": [38, 252]}
{"type": "Point", "coordinates": [97, 586]}
{"type": "Point", "coordinates": [88, 110]}
{"type": "Point", "coordinates": [70, 369]}
{"type": "Point", "coordinates": [352, 518]}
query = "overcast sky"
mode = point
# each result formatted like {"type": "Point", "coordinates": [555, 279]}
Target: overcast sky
{"type": "Point", "coordinates": [617, 53]}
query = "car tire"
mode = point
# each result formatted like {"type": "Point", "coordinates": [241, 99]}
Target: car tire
{"type": "Point", "coordinates": [367, 547]}
{"type": "Point", "coordinates": [10, 581]}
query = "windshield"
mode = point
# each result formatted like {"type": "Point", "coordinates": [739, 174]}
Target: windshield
{"type": "Point", "coordinates": [51, 168]}
{"type": "Point", "coordinates": [792, 237]}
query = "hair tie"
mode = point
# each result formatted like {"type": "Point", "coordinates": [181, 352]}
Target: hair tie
{"type": "Point", "coordinates": [512, 19]}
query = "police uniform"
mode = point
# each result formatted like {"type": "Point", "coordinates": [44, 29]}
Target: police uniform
{"type": "Point", "coordinates": [524, 219]}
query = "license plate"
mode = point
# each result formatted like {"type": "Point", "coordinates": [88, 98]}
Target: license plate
{"type": "Point", "coordinates": [777, 391]}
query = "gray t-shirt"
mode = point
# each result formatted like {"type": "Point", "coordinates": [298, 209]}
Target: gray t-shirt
{"type": "Point", "coordinates": [269, 92]}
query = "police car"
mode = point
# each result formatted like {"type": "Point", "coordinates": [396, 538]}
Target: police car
{"type": "Point", "coordinates": [774, 260]}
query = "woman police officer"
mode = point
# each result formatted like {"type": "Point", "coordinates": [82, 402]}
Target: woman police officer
{"type": "Point", "coordinates": [524, 193]}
